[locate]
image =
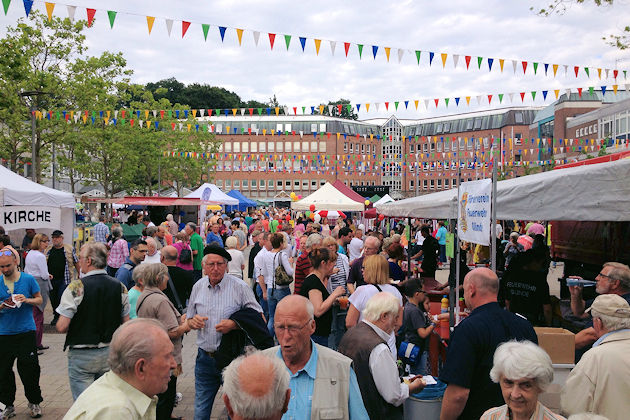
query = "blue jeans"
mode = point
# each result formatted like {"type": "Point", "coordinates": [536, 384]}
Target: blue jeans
{"type": "Point", "coordinates": [263, 302]}
{"type": "Point", "coordinates": [84, 367]}
{"type": "Point", "coordinates": [207, 383]}
{"type": "Point", "coordinates": [442, 253]}
{"type": "Point", "coordinates": [338, 327]}
{"type": "Point", "coordinates": [273, 297]}
{"type": "Point", "coordinates": [420, 368]}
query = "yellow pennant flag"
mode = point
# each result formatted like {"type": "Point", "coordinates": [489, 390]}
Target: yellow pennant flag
{"type": "Point", "coordinates": [234, 111]}
{"type": "Point", "coordinates": [468, 100]}
{"type": "Point", "coordinates": [264, 131]}
{"type": "Point", "coordinates": [227, 128]}
{"type": "Point", "coordinates": [150, 21]}
{"type": "Point", "coordinates": [49, 10]}
{"type": "Point", "coordinates": [444, 55]}
{"type": "Point", "coordinates": [416, 103]}
{"type": "Point", "coordinates": [72, 115]}
{"type": "Point", "coordinates": [599, 73]}
{"type": "Point", "coordinates": [371, 138]}
{"type": "Point", "coordinates": [146, 113]}
{"type": "Point", "coordinates": [321, 110]}
{"type": "Point", "coordinates": [194, 113]}
{"type": "Point", "coordinates": [318, 43]}
{"type": "Point", "coordinates": [106, 120]}
{"type": "Point", "coordinates": [84, 118]}
{"type": "Point", "coordinates": [239, 34]}
{"type": "Point", "coordinates": [338, 136]}
{"type": "Point", "coordinates": [557, 92]}
{"type": "Point", "coordinates": [148, 123]}
{"type": "Point", "coordinates": [108, 114]}
{"type": "Point", "coordinates": [367, 107]}
{"type": "Point", "coordinates": [501, 62]}
{"type": "Point", "coordinates": [387, 51]}
{"type": "Point", "coordinates": [277, 111]}
{"type": "Point", "coordinates": [615, 89]}
{"type": "Point", "coordinates": [188, 127]}
{"type": "Point", "coordinates": [555, 69]}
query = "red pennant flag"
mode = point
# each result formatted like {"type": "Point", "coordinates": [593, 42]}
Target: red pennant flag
{"type": "Point", "coordinates": [346, 46]}
{"type": "Point", "coordinates": [90, 16]}
{"type": "Point", "coordinates": [522, 96]}
{"type": "Point", "coordinates": [295, 110]}
{"type": "Point", "coordinates": [209, 113]}
{"type": "Point", "coordinates": [173, 126]}
{"type": "Point", "coordinates": [580, 92]}
{"type": "Point", "coordinates": [524, 66]}
{"type": "Point", "coordinates": [436, 102]}
{"type": "Point", "coordinates": [249, 130]}
{"type": "Point", "coordinates": [123, 113]}
{"type": "Point", "coordinates": [130, 121]}
{"type": "Point", "coordinates": [185, 26]}
{"type": "Point", "coordinates": [615, 73]}
{"type": "Point", "coordinates": [272, 39]}
{"type": "Point", "coordinates": [467, 58]}
{"type": "Point", "coordinates": [489, 98]}
{"type": "Point", "coordinates": [339, 109]}
{"type": "Point", "coordinates": [251, 111]}
{"type": "Point", "coordinates": [162, 114]}
{"type": "Point", "coordinates": [576, 68]}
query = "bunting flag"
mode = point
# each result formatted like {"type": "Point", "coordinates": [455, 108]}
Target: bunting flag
{"type": "Point", "coordinates": [28, 5]}
{"type": "Point", "coordinates": [112, 17]}
{"type": "Point", "coordinates": [90, 16]}
{"type": "Point", "coordinates": [150, 21]}
{"type": "Point", "coordinates": [50, 7]}
{"type": "Point", "coordinates": [5, 5]}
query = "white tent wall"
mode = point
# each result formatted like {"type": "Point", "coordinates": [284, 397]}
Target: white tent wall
{"type": "Point", "coordinates": [327, 197]}
{"type": "Point", "coordinates": [590, 192]}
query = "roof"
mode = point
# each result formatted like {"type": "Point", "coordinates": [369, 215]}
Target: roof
{"type": "Point", "coordinates": [348, 192]}
{"type": "Point", "coordinates": [327, 197]}
{"type": "Point", "coordinates": [211, 194]}
{"type": "Point", "coordinates": [149, 201]}
{"type": "Point", "coordinates": [15, 190]}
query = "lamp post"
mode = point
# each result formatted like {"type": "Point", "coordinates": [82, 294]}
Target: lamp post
{"type": "Point", "coordinates": [32, 95]}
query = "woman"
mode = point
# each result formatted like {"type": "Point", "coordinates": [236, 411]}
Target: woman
{"type": "Point", "coordinates": [37, 266]}
{"type": "Point", "coordinates": [181, 243]}
{"type": "Point", "coordinates": [153, 303]}
{"type": "Point", "coordinates": [278, 256]}
{"type": "Point", "coordinates": [134, 293]}
{"type": "Point", "coordinates": [396, 253]}
{"type": "Point", "coordinates": [314, 289]}
{"type": "Point", "coordinates": [118, 251]}
{"type": "Point", "coordinates": [237, 264]}
{"type": "Point", "coordinates": [338, 277]}
{"type": "Point", "coordinates": [523, 370]}
{"type": "Point", "coordinates": [376, 275]}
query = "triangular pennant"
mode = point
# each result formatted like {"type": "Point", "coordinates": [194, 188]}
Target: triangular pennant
{"type": "Point", "coordinates": [387, 51]}
{"type": "Point", "coordinates": [360, 47]}
{"type": "Point", "coordinates": [169, 26]}
{"type": "Point", "coordinates": [256, 35]}
{"type": "Point", "coordinates": [239, 34]}
{"type": "Point", "coordinates": [501, 62]}
{"type": "Point", "coordinates": [49, 10]}
{"type": "Point", "coordinates": [401, 52]}
{"type": "Point", "coordinates": [524, 66]}
{"type": "Point", "coordinates": [5, 4]}
{"type": "Point", "coordinates": [303, 42]}
{"type": "Point", "coordinates": [556, 92]}
{"type": "Point", "coordinates": [90, 16]}
{"type": "Point", "coordinates": [431, 55]}
{"type": "Point", "coordinates": [544, 92]}
{"type": "Point", "coordinates": [272, 39]}
{"type": "Point", "coordinates": [333, 45]}
{"type": "Point", "coordinates": [112, 17]}
{"type": "Point", "coordinates": [555, 69]}
{"type": "Point", "coordinates": [467, 59]}
{"type": "Point", "coordinates": [444, 57]}
{"type": "Point", "coordinates": [222, 30]}
{"type": "Point", "coordinates": [546, 68]}
{"type": "Point", "coordinates": [603, 91]}
{"type": "Point", "coordinates": [535, 64]}
{"type": "Point", "coordinates": [490, 61]}
{"type": "Point", "coordinates": [606, 70]}
{"type": "Point", "coordinates": [588, 74]}
{"type": "Point", "coordinates": [28, 5]}
{"type": "Point", "coordinates": [533, 95]}
{"type": "Point", "coordinates": [205, 28]}
{"type": "Point", "coordinates": [576, 69]}
{"type": "Point", "coordinates": [150, 21]}
{"type": "Point", "coordinates": [71, 12]}
{"type": "Point", "coordinates": [346, 47]}
{"type": "Point", "coordinates": [500, 97]}
{"type": "Point", "coordinates": [599, 73]}
{"type": "Point", "coordinates": [514, 63]}
{"type": "Point", "coordinates": [287, 41]}
{"type": "Point", "coordinates": [479, 60]}
{"type": "Point", "coordinates": [374, 50]}
{"type": "Point", "coordinates": [318, 43]}
{"type": "Point", "coordinates": [455, 60]}
{"type": "Point", "coordinates": [185, 26]}
{"type": "Point", "coordinates": [456, 101]}
{"type": "Point", "coordinates": [418, 56]}
{"type": "Point", "coordinates": [511, 95]}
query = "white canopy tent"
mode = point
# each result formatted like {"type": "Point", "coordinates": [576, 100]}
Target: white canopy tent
{"type": "Point", "coordinates": [211, 194]}
{"type": "Point", "coordinates": [27, 204]}
{"type": "Point", "coordinates": [384, 200]}
{"type": "Point", "coordinates": [591, 192]}
{"type": "Point", "coordinates": [327, 197]}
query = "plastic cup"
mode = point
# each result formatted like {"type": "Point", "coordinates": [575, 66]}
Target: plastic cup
{"type": "Point", "coordinates": [343, 302]}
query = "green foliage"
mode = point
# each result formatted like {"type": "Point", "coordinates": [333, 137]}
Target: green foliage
{"type": "Point", "coordinates": [349, 115]}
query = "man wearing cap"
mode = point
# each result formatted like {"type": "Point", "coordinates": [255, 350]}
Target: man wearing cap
{"type": "Point", "coordinates": [63, 265]}
{"type": "Point", "coordinates": [214, 298]}
{"type": "Point", "coordinates": [599, 383]}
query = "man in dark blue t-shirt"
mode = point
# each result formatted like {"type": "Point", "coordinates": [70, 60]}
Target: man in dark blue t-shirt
{"type": "Point", "coordinates": [470, 391]}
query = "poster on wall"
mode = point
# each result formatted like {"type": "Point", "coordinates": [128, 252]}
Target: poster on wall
{"type": "Point", "coordinates": [30, 217]}
{"type": "Point", "coordinates": [473, 224]}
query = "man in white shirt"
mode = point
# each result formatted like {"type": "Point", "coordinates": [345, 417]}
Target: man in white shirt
{"type": "Point", "coordinates": [366, 345]}
{"type": "Point", "coordinates": [153, 255]}
{"type": "Point", "coordinates": [355, 246]}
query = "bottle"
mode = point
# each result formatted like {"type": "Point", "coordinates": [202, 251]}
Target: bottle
{"type": "Point", "coordinates": [581, 282]}
{"type": "Point", "coordinates": [444, 308]}
{"type": "Point", "coordinates": [462, 304]}
{"type": "Point", "coordinates": [444, 324]}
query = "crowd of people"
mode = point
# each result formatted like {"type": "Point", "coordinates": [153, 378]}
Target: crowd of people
{"type": "Point", "coordinates": [299, 319]}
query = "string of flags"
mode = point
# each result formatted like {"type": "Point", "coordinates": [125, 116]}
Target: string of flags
{"type": "Point", "coordinates": [428, 57]}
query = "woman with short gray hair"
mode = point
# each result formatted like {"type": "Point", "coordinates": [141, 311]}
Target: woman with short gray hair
{"type": "Point", "coordinates": [523, 370]}
{"type": "Point", "coordinates": [118, 251]}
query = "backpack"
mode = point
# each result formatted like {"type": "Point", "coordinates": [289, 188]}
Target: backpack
{"type": "Point", "coordinates": [185, 256]}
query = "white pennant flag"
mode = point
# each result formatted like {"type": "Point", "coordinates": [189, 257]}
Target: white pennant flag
{"type": "Point", "coordinates": [455, 60]}
{"type": "Point", "coordinates": [607, 70]}
{"type": "Point", "coordinates": [511, 95]}
{"type": "Point", "coordinates": [377, 106]}
{"type": "Point", "coordinates": [242, 111]}
{"type": "Point", "coordinates": [286, 110]}
{"type": "Point", "coordinates": [201, 111]}
{"type": "Point", "coordinates": [566, 69]}
{"type": "Point", "coordinates": [77, 116]}
{"type": "Point", "coordinates": [180, 126]}
{"type": "Point", "coordinates": [478, 99]}
{"type": "Point", "coordinates": [426, 104]}
{"type": "Point", "coordinates": [401, 52]}
{"type": "Point", "coordinates": [514, 65]}
{"type": "Point", "coordinates": [333, 45]}
{"type": "Point", "coordinates": [140, 123]}
{"type": "Point", "coordinates": [154, 113]}
{"type": "Point", "coordinates": [116, 114]}
{"type": "Point", "coordinates": [256, 37]}
{"type": "Point", "coordinates": [169, 26]}
{"type": "Point", "coordinates": [330, 110]}
{"type": "Point", "coordinates": [301, 133]}
{"type": "Point", "coordinates": [568, 94]}
{"type": "Point", "coordinates": [71, 10]}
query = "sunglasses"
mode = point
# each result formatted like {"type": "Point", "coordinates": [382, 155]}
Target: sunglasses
{"type": "Point", "coordinates": [6, 253]}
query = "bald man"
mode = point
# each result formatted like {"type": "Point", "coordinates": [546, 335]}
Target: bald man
{"type": "Point", "coordinates": [182, 279]}
{"type": "Point", "coordinates": [470, 392]}
{"type": "Point", "coordinates": [256, 386]}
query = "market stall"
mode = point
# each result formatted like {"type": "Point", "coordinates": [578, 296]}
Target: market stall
{"type": "Point", "coordinates": [327, 197]}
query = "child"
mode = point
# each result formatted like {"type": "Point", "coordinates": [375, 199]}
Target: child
{"type": "Point", "coordinates": [417, 324]}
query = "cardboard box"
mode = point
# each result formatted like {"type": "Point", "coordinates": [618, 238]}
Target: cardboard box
{"type": "Point", "coordinates": [558, 343]}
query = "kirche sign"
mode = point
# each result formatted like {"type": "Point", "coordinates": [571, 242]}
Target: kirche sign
{"type": "Point", "coordinates": [31, 217]}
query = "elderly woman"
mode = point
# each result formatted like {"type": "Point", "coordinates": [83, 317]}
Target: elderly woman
{"type": "Point", "coordinates": [237, 264]}
{"type": "Point", "coordinates": [36, 265]}
{"type": "Point", "coordinates": [523, 370]}
{"type": "Point", "coordinates": [339, 277]}
{"type": "Point", "coordinates": [153, 303]}
{"type": "Point", "coordinates": [134, 293]}
{"type": "Point", "coordinates": [118, 251]}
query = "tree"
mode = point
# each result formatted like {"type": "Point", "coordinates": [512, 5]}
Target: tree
{"type": "Point", "coordinates": [345, 113]}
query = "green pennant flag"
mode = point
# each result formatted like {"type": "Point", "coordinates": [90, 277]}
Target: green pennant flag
{"type": "Point", "coordinates": [58, 115]}
{"type": "Point", "coordinates": [479, 60]}
{"type": "Point", "coordinates": [287, 40]}
{"type": "Point", "coordinates": [500, 97]}
{"type": "Point", "coordinates": [533, 95]}
{"type": "Point", "coordinates": [535, 67]}
{"type": "Point", "coordinates": [396, 105]}
{"type": "Point", "coordinates": [170, 113]}
{"type": "Point", "coordinates": [259, 111]}
{"type": "Point", "coordinates": [418, 56]}
{"type": "Point", "coordinates": [349, 108]}
{"type": "Point", "coordinates": [625, 74]}
{"type": "Point", "coordinates": [446, 101]}
{"type": "Point", "coordinates": [587, 71]}
{"type": "Point", "coordinates": [360, 50]}
{"type": "Point", "coordinates": [112, 18]}
{"type": "Point", "coordinates": [591, 91]}
{"type": "Point", "coordinates": [303, 110]}
{"type": "Point", "coordinates": [205, 27]}
{"type": "Point", "coordinates": [6, 4]}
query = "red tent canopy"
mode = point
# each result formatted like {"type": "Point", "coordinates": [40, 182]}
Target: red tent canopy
{"type": "Point", "coordinates": [348, 192]}
{"type": "Point", "coordinates": [151, 201]}
{"type": "Point", "coordinates": [370, 213]}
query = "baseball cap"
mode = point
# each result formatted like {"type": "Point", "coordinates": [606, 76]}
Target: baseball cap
{"type": "Point", "coordinates": [611, 305]}
{"type": "Point", "coordinates": [57, 233]}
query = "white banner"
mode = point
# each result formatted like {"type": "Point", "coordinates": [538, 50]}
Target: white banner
{"type": "Point", "coordinates": [473, 224]}
{"type": "Point", "coordinates": [30, 217]}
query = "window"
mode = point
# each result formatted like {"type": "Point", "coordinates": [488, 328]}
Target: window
{"type": "Point", "coordinates": [228, 147]}
{"type": "Point", "coordinates": [219, 183]}
{"type": "Point", "coordinates": [245, 147]}
{"type": "Point", "coordinates": [296, 146]}
{"type": "Point", "coordinates": [287, 183]}
{"type": "Point", "coordinates": [237, 183]}
{"type": "Point", "coordinates": [432, 184]}
{"type": "Point", "coordinates": [228, 183]}
{"type": "Point", "coordinates": [228, 166]}
{"type": "Point", "coordinates": [411, 184]}
{"type": "Point", "coordinates": [322, 147]}
{"type": "Point", "coordinates": [322, 182]}
{"type": "Point", "coordinates": [254, 183]}
{"type": "Point", "coordinates": [424, 184]}
{"type": "Point", "coordinates": [362, 148]}
{"type": "Point", "coordinates": [262, 147]}
{"type": "Point", "coordinates": [237, 147]}
{"type": "Point", "coordinates": [296, 184]}
{"type": "Point", "coordinates": [313, 128]}
{"type": "Point", "coordinates": [322, 127]}
{"type": "Point", "coordinates": [237, 165]}
{"type": "Point", "coordinates": [313, 185]}
{"type": "Point", "coordinates": [313, 147]}
{"type": "Point", "coordinates": [373, 149]}
{"type": "Point", "coordinates": [345, 147]}
{"type": "Point", "coordinates": [270, 184]}
{"type": "Point", "coordinates": [287, 146]}
{"type": "Point", "coordinates": [305, 184]}
{"type": "Point", "coordinates": [412, 148]}
{"type": "Point", "coordinates": [271, 146]}
{"type": "Point", "coordinates": [518, 117]}
{"type": "Point", "coordinates": [425, 147]}
{"type": "Point", "coordinates": [219, 166]}
{"type": "Point", "coordinates": [447, 127]}
{"type": "Point", "coordinates": [279, 147]}
{"type": "Point", "coordinates": [351, 147]}
{"type": "Point", "coordinates": [477, 124]}
{"type": "Point", "coordinates": [304, 146]}
{"type": "Point", "coordinates": [439, 183]}
{"type": "Point", "coordinates": [279, 184]}
{"type": "Point", "coordinates": [279, 128]}
{"type": "Point", "coordinates": [287, 127]}
{"type": "Point", "coordinates": [446, 182]}
{"type": "Point", "coordinates": [245, 184]}
{"type": "Point", "coordinates": [254, 147]}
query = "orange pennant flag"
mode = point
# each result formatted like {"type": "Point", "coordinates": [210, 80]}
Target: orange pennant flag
{"type": "Point", "coordinates": [468, 100]}
{"type": "Point", "coordinates": [416, 104]}
{"type": "Point", "coordinates": [150, 20]}
{"type": "Point", "coordinates": [321, 110]}
{"type": "Point", "coordinates": [49, 10]}
{"type": "Point", "coordinates": [555, 69]}
{"type": "Point", "coordinates": [599, 73]}
{"type": "Point", "coordinates": [234, 111]}
{"type": "Point", "coordinates": [146, 114]}
{"type": "Point", "coordinates": [444, 55]}
{"type": "Point", "coordinates": [367, 107]}
{"type": "Point", "coordinates": [557, 92]}
{"type": "Point", "coordinates": [277, 109]}
{"type": "Point", "coordinates": [615, 89]}
{"type": "Point", "coordinates": [194, 111]}
{"type": "Point", "coordinates": [501, 61]}
{"type": "Point", "coordinates": [239, 34]}
{"type": "Point", "coordinates": [318, 42]}
{"type": "Point", "coordinates": [387, 50]}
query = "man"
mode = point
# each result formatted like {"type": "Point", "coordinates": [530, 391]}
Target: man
{"type": "Point", "coordinates": [322, 380]}
{"type": "Point", "coordinates": [213, 300]}
{"type": "Point", "coordinates": [366, 345]}
{"type": "Point", "coordinates": [146, 220]}
{"type": "Point", "coordinates": [137, 253]}
{"type": "Point", "coordinates": [172, 226]}
{"type": "Point", "coordinates": [470, 392]}
{"type": "Point", "coordinates": [196, 245]}
{"type": "Point", "coordinates": [91, 309]}
{"type": "Point", "coordinates": [153, 255]}
{"type": "Point", "coordinates": [214, 236]}
{"type": "Point", "coordinates": [182, 279]}
{"type": "Point", "coordinates": [303, 264]}
{"type": "Point", "coordinates": [429, 252]}
{"type": "Point", "coordinates": [63, 265]}
{"type": "Point", "coordinates": [345, 236]}
{"type": "Point", "coordinates": [257, 238]}
{"type": "Point", "coordinates": [240, 235]}
{"type": "Point", "coordinates": [17, 335]}
{"type": "Point", "coordinates": [261, 274]}
{"type": "Point", "coordinates": [441, 238]}
{"type": "Point", "coordinates": [101, 231]}
{"type": "Point", "coordinates": [159, 235]}
{"type": "Point", "coordinates": [28, 238]}
{"type": "Point", "coordinates": [256, 386]}
{"type": "Point", "coordinates": [371, 247]}
{"type": "Point", "coordinates": [355, 246]}
{"type": "Point", "coordinates": [599, 382]}
{"type": "Point", "coordinates": [614, 278]}
{"type": "Point", "coordinates": [141, 360]}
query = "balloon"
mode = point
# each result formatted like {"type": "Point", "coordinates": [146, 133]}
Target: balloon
{"type": "Point", "coordinates": [308, 213]}
{"type": "Point", "coordinates": [312, 216]}
{"type": "Point", "coordinates": [292, 195]}
{"type": "Point", "coordinates": [312, 207]}
{"type": "Point", "coordinates": [288, 217]}
{"type": "Point", "coordinates": [300, 196]}
{"type": "Point", "coordinates": [381, 216]}
{"type": "Point", "coordinates": [317, 218]}
{"type": "Point", "coordinates": [367, 202]}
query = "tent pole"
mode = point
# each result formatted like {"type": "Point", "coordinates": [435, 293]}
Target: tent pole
{"type": "Point", "coordinates": [409, 249]}
{"type": "Point", "coordinates": [456, 239]}
{"type": "Point", "coordinates": [493, 220]}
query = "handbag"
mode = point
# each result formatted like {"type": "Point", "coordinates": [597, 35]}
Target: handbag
{"type": "Point", "coordinates": [408, 352]}
{"type": "Point", "coordinates": [281, 277]}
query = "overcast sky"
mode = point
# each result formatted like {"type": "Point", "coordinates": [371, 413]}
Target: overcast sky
{"type": "Point", "coordinates": [488, 28]}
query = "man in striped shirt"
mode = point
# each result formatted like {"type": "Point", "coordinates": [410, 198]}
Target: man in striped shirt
{"type": "Point", "coordinates": [303, 264]}
{"type": "Point", "coordinates": [101, 231]}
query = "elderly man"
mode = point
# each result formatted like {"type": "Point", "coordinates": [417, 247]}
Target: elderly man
{"type": "Point", "coordinates": [260, 270]}
{"type": "Point", "coordinates": [366, 344]}
{"type": "Point", "coordinates": [322, 380]}
{"type": "Point", "coordinates": [18, 295]}
{"type": "Point", "coordinates": [63, 264]}
{"type": "Point", "coordinates": [256, 386]}
{"type": "Point", "coordinates": [599, 383]}
{"type": "Point", "coordinates": [137, 253]}
{"type": "Point", "coordinates": [91, 309]}
{"type": "Point", "coordinates": [613, 279]}
{"type": "Point", "coordinates": [355, 246]}
{"type": "Point", "coordinates": [196, 245]}
{"type": "Point", "coordinates": [141, 360]}
{"type": "Point", "coordinates": [470, 392]}
{"type": "Point", "coordinates": [214, 236]}
{"type": "Point", "coordinates": [153, 254]}
{"type": "Point", "coordinates": [182, 279]}
{"type": "Point", "coordinates": [213, 300]}
{"type": "Point", "coordinates": [172, 226]}
{"type": "Point", "coordinates": [371, 246]}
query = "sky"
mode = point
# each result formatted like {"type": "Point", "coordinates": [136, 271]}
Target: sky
{"type": "Point", "coordinates": [499, 29]}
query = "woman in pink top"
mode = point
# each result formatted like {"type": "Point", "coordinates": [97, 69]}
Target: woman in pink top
{"type": "Point", "coordinates": [181, 242]}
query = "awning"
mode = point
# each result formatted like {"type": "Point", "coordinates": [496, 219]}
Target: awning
{"type": "Point", "coordinates": [149, 201]}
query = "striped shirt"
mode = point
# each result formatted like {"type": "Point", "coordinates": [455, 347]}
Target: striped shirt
{"type": "Point", "coordinates": [118, 253]}
{"type": "Point", "coordinates": [302, 269]}
{"type": "Point", "coordinates": [340, 278]}
{"type": "Point", "coordinates": [218, 303]}
{"type": "Point", "coordinates": [101, 232]}
{"type": "Point", "coordinates": [502, 413]}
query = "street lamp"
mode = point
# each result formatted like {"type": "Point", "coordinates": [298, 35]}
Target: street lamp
{"type": "Point", "coordinates": [32, 95]}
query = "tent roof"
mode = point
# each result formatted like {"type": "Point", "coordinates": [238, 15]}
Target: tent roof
{"type": "Point", "coordinates": [383, 200]}
{"type": "Point", "coordinates": [327, 197]}
{"type": "Point", "coordinates": [348, 192]}
{"type": "Point", "coordinates": [592, 192]}
{"type": "Point", "coordinates": [15, 190]}
{"type": "Point", "coordinates": [148, 201]}
{"type": "Point", "coordinates": [211, 194]}
{"type": "Point", "coordinates": [242, 199]}
{"type": "Point", "coordinates": [374, 198]}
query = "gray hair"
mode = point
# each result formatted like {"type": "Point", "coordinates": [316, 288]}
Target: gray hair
{"type": "Point", "coordinates": [132, 342]}
{"type": "Point", "coordinates": [380, 304]}
{"type": "Point", "coordinates": [611, 323]}
{"type": "Point", "coordinates": [231, 242]}
{"type": "Point", "coordinates": [314, 239]}
{"type": "Point", "coordinates": [192, 225]}
{"type": "Point", "coordinates": [117, 232]}
{"type": "Point", "coordinates": [151, 230]}
{"type": "Point", "coordinates": [522, 359]}
{"type": "Point", "coordinates": [169, 217]}
{"type": "Point", "coordinates": [137, 275]}
{"type": "Point", "coordinates": [96, 252]}
{"type": "Point", "coordinates": [256, 406]}
{"type": "Point", "coordinates": [621, 272]}
{"type": "Point", "coordinates": [153, 274]}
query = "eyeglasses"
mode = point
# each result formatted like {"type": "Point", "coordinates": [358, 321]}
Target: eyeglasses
{"type": "Point", "coordinates": [291, 329]}
{"type": "Point", "coordinates": [45, 240]}
{"type": "Point", "coordinates": [605, 275]}
{"type": "Point", "coordinates": [6, 253]}
{"type": "Point", "coordinates": [214, 264]}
